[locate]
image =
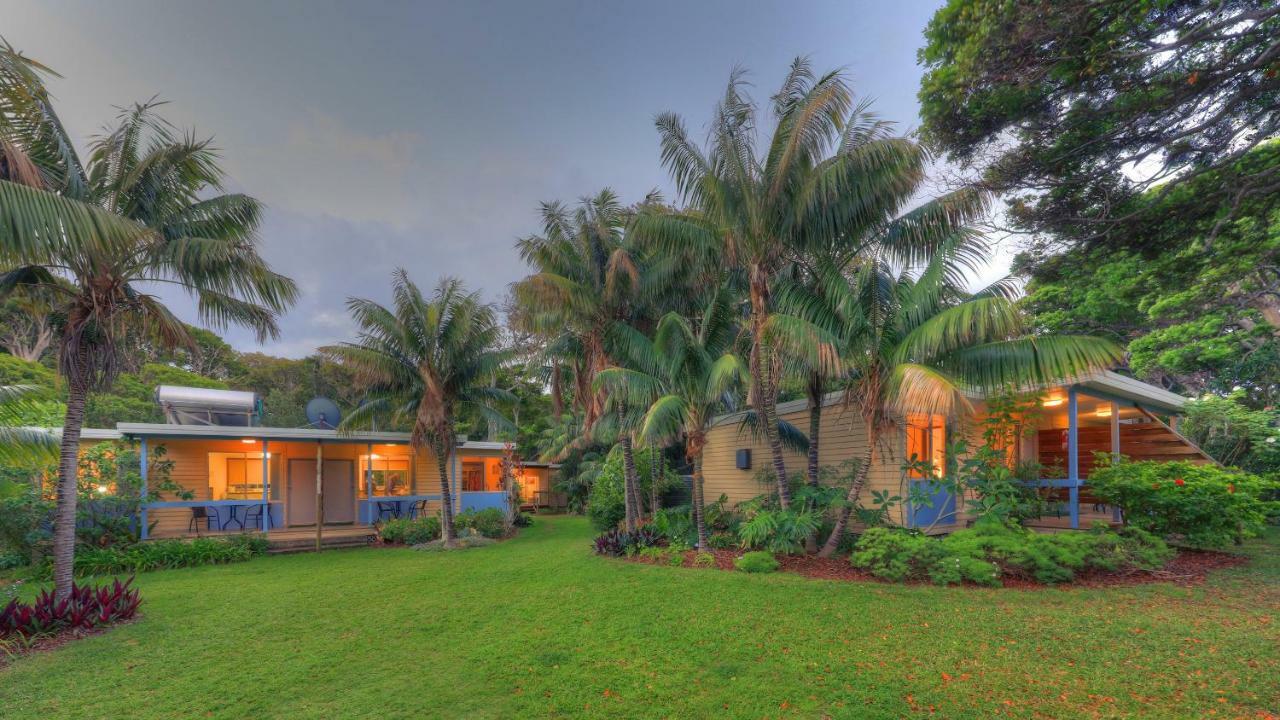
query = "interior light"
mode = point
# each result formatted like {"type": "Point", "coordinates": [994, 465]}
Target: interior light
{"type": "Point", "coordinates": [1103, 411]}
{"type": "Point", "coordinates": [375, 456]}
{"type": "Point", "coordinates": [248, 441]}
{"type": "Point", "coordinates": [1053, 401]}
{"type": "Point", "coordinates": [103, 489]}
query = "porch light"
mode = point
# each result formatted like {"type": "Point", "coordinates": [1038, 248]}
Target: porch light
{"type": "Point", "coordinates": [103, 489]}
{"type": "Point", "coordinates": [1103, 411]}
{"type": "Point", "coordinates": [1053, 401]}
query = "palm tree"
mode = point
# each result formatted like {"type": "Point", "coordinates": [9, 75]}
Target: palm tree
{"type": "Point", "coordinates": [144, 211]}
{"type": "Point", "coordinates": [922, 344]}
{"type": "Point", "coordinates": [684, 376]}
{"type": "Point", "coordinates": [587, 277]}
{"type": "Point", "coordinates": [826, 176]}
{"type": "Point", "coordinates": [425, 363]}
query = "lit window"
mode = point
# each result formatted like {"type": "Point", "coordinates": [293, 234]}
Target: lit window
{"type": "Point", "coordinates": [927, 442]}
{"type": "Point", "coordinates": [390, 475]}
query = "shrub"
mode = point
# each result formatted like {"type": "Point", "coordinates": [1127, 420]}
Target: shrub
{"type": "Point", "coordinates": [779, 531]}
{"type": "Point", "coordinates": [87, 607]}
{"type": "Point", "coordinates": [704, 560]}
{"type": "Point", "coordinates": [1201, 505]}
{"type": "Point", "coordinates": [459, 543]}
{"type": "Point", "coordinates": [757, 562]}
{"type": "Point", "coordinates": [723, 541]}
{"type": "Point", "coordinates": [164, 555]}
{"type": "Point", "coordinates": [489, 522]}
{"type": "Point", "coordinates": [410, 531]}
{"type": "Point", "coordinates": [991, 549]}
{"type": "Point", "coordinates": [616, 543]}
{"type": "Point", "coordinates": [25, 526]}
{"type": "Point", "coordinates": [521, 519]}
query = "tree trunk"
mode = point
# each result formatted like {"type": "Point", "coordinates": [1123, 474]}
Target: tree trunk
{"type": "Point", "coordinates": [699, 505]}
{"type": "Point", "coordinates": [655, 477]}
{"type": "Point", "coordinates": [851, 499]}
{"type": "Point", "coordinates": [763, 392]}
{"type": "Point", "coordinates": [447, 532]}
{"type": "Point", "coordinates": [628, 482]}
{"type": "Point", "coordinates": [64, 522]}
{"type": "Point", "coordinates": [815, 424]}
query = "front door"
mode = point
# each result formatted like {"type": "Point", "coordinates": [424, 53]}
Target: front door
{"type": "Point", "coordinates": [339, 492]}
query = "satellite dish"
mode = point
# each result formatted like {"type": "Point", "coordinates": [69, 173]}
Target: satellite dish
{"type": "Point", "coordinates": [323, 413]}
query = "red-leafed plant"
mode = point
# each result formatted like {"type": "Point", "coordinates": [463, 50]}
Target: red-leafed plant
{"type": "Point", "coordinates": [87, 607]}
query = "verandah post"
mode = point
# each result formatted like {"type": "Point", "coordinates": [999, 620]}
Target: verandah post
{"type": "Point", "coordinates": [1115, 448]}
{"type": "Point", "coordinates": [142, 490]}
{"type": "Point", "coordinates": [368, 485]}
{"type": "Point", "coordinates": [266, 499]}
{"type": "Point", "coordinates": [1073, 456]}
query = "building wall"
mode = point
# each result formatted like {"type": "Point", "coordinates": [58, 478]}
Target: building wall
{"type": "Point", "coordinates": [842, 437]}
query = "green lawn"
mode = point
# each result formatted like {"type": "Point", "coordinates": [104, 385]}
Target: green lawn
{"type": "Point", "coordinates": [539, 627]}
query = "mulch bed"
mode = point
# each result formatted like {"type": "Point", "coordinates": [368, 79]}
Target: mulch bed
{"type": "Point", "coordinates": [1188, 567]}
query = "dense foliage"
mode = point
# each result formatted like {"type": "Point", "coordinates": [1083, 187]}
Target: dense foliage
{"type": "Point", "coordinates": [605, 503]}
{"type": "Point", "coordinates": [1198, 505]}
{"type": "Point", "coordinates": [992, 549]}
{"type": "Point", "coordinates": [1051, 100]}
{"type": "Point", "coordinates": [1235, 434]}
{"type": "Point", "coordinates": [757, 561]}
{"type": "Point", "coordinates": [410, 531]}
{"type": "Point", "coordinates": [618, 542]}
{"type": "Point", "coordinates": [164, 555]}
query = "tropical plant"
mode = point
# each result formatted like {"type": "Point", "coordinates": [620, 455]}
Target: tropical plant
{"type": "Point", "coordinates": [19, 443]}
{"type": "Point", "coordinates": [1197, 505]}
{"type": "Point", "coordinates": [757, 562]}
{"type": "Point", "coordinates": [147, 208]}
{"type": "Point", "coordinates": [423, 362]}
{"type": "Point", "coordinates": [684, 376]}
{"type": "Point", "coordinates": [85, 607]}
{"type": "Point", "coordinates": [923, 343]}
{"type": "Point", "coordinates": [410, 531]}
{"type": "Point", "coordinates": [827, 177]}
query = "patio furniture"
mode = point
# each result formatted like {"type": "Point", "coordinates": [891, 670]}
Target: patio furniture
{"type": "Point", "coordinates": [259, 516]}
{"type": "Point", "coordinates": [207, 514]}
{"type": "Point", "coordinates": [233, 516]}
{"type": "Point", "coordinates": [388, 507]}
{"type": "Point", "coordinates": [418, 509]}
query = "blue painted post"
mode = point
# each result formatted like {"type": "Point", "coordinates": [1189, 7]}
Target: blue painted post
{"type": "Point", "coordinates": [142, 490]}
{"type": "Point", "coordinates": [455, 482]}
{"type": "Point", "coordinates": [266, 499]}
{"type": "Point", "coordinates": [1073, 456]}
{"type": "Point", "coordinates": [368, 485]}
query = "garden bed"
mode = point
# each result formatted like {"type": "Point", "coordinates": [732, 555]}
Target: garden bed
{"type": "Point", "coordinates": [1188, 567]}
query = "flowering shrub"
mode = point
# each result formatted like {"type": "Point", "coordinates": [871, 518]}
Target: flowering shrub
{"type": "Point", "coordinates": [87, 607]}
{"type": "Point", "coordinates": [1200, 505]}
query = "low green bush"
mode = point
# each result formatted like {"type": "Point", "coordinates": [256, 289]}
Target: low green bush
{"type": "Point", "coordinates": [162, 555]}
{"type": "Point", "coordinates": [992, 550]}
{"type": "Point", "coordinates": [704, 560]}
{"type": "Point", "coordinates": [410, 531]}
{"type": "Point", "coordinates": [780, 531]}
{"type": "Point", "coordinates": [1203, 506]}
{"type": "Point", "coordinates": [490, 522]}
{"type": "Point", "coordinates": [757, 562]}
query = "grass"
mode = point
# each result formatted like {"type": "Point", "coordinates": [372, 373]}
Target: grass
{"type": "Point", "coordinates": [539, 627]}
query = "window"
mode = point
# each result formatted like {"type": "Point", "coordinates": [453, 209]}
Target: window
{"type": "Point", "coordinates": [473, 476]}
{"type": "Point", "coordinates": [390, 475]}
{"type": "Point", "coordinates": [238, 476]}
{"type": "Point", "coordinates": [927, 442]}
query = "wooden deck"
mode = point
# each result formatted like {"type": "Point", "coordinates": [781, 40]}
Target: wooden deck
{"type": "Point", "coordinates": [299, 539]}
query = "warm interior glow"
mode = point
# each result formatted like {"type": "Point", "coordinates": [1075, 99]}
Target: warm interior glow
{"type": "Point", "coordinates": [248, 441]}
{"type": "Point", "coordinates": [1053, 401]}
{"type": "Point", "coordinates": [1103, 411]}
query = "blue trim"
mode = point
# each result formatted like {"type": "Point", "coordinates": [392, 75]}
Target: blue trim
{"type": "Point", "coordinates": [1073, 455]}
{"type": "Point", "coordinates": [943, 505]}
{"type": "Point", "coordinates": [1053, 483]}
{"type": "Point", "coordinates": [142, 490]}
{"type": "Point", "coordinates": [483, 500]}
{"type": "Point", "coordinates": [266, 491]}
{"type": "Point", "coordinates": [368, 507]}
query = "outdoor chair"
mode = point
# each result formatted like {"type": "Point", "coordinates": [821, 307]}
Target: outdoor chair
{"type": "Point", "coordinates": [418, 509]}
{"type": "Point", "coordinates": [203, 513]}
{"type": "Point", "coordinates": [255, 517]}
{"type": "Point", "coordinates": [391, 508]}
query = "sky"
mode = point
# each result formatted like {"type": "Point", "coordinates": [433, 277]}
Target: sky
{"type": "Point", "coordinates": [424, 135]}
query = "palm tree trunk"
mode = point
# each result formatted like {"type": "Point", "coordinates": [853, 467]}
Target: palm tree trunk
{"type": "Point", "coordinates": [447, 532]}
{"type": "Point", "coordinates": [815, 424]}
{"type": "Point", "coordinates": [64, 523]}
{"type": "Point", "coordinates": [763, 390]}
{"type": "Point", "coordinates": [629, 496]}
{"type": "Point", "coordinates": [851, 499]}
{"type": "Point", "coordinates": [699, 504]}
{"type": "Point", "coordinates": [655, 474]}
